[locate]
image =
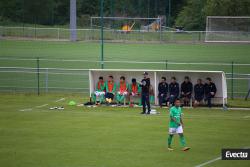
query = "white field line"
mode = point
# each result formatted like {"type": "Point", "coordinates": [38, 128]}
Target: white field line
{"type": "Point", "coordinates": [213, 160]}
{"type": "Point", "coordinates": [62, 99]}
{"type": "Point", "coordinates": [28, 109]}
{"type": "Point", "coordinates": [247, 116]}
{"type": "Point", "coordinates": [209, 162]}
{"type": "Point", "coordinates": [42, 106]}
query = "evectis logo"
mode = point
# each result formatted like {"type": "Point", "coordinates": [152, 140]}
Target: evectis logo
{"type": "Point", "coordinates": [235, 154]}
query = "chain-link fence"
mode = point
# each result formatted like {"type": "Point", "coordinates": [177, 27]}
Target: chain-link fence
{"type": "Point", "coordinates": [109, 35]}
{"type": "Point", "coordinates": [64, 75]}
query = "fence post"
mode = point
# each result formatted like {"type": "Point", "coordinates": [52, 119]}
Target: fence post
{"type": "Point", "coordinates": [166, 64]}
{"type": "Point", "coordinates": [35, 31]}
{"type": "Point", "coordinates": [58, 34]}
{"type": "Point", "coordinates": [248, 93]}
{"type": "Point", "coordinates": [38, 76]}
{"type": "Point", "coordinates": [23, 32]}
{"type": "Point", "coordinates": [1, 33]}
{"type": "Point", "coordinates": [46, 80]}
{"type": "Point", "coordinates": [232, 80]}
{"type": "Point", "coordinates": [101, 29]}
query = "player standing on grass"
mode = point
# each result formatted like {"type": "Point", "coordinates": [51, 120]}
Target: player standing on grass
{"type": "Point", "coordinates": [176, 125]}
{"type": "Point", "coordinates": [145, 85]}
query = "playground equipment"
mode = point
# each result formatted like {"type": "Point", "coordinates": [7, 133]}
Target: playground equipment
{"type": "Point", "coordinates": [155, 25]}
{"type": "Point", "coordinates": [128, 24]}
{"type": "Point", "coordinates": [127, 28]}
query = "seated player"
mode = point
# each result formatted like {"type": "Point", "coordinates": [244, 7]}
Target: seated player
{"type": "Point", "coordinates": [134, 91]}
{"type": "Point", "coordinates": [186, 90]}
{"type": "Point", "coordinates": [210, 91]}
{"type": "Point", "coordinates": [98, 95]}
{"type": "Point", "coordinates": [173, 91]}
{"type": "Point", "coordinates": [122, 90]}
{"type": "Point", "coordinates": [110, 89]}
{"type": "Point", "coordinates": [162, 91]}
{"type": "Point", "coordinates": [198, 92]}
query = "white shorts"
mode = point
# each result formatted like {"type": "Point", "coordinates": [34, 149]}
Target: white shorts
{"type": "Point", "coordinates": [176, 130]}
{"type": "Point", "coordinates": [99, 93]}
{"type": "Point", "coordinates": [123, 93]}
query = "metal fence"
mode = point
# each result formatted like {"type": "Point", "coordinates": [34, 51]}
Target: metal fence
{"type": "Point", "coordinates": [111, 35]}
{"type": "Point", "coordinates": [52, 75]}
{"type": "Point", "coordinates": [140, 36]}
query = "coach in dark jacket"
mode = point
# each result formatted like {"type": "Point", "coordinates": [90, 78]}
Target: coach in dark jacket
{"type": "Point", "coordinates": [186, 90]}
{"type": "Point", "coordinates": [199, 91]}
{"type": "Point", "coordinates": [174, 90]}
{"type": "Point", "coordinates": [210, 91]}
{"type": "Point", "coordinates": [162, 91]}
{"type": "Point", "coordinates": [145, 85]}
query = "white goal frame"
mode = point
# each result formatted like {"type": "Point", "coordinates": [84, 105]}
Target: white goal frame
{"type": "Point", "coordinates": [234, 34]}
{"type": "Point", "coordinates": [218, 77]}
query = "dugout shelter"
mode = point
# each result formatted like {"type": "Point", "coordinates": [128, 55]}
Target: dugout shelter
{"type": "Point", "coordinates": [218, 78]}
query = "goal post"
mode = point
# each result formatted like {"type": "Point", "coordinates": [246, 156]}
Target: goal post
{"type": "Point", "coordinates": [218, 78]}
{"type": "Point", "coordinates": [228, 29]}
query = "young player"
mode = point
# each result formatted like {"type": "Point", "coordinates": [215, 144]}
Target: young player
{"type": "Point", "coordinates": [186, 90]}
{"type": "Point", "coordinates": [122, 90]}
{"type": "Point", "coordinates": [210, 91]}
{"type": "Point", "coordinates": [134, 91]}
{"type": "Point", "coordinates": [110, 89]}
{"type": "Point", "coordinates": [174, 91]}
{"type": "Point", "coordinates": [198, 92]}
{"type": "Point", "coordinates": [98, 95]}
{"type": "Point", "coordinates": [176, 125]}
{"type": "Point", "coordinates": [162, 91]}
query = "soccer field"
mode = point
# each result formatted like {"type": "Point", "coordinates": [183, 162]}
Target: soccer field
{"type": "Point", "coordinates": [32, 135]}
{"type": "Point", "coordinates": [52, 53]}
{"type": "Point", "coordinates": [221, 53]}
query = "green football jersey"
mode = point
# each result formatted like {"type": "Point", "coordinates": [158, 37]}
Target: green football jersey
{"type": "Point", "coordinates": [176, 113]}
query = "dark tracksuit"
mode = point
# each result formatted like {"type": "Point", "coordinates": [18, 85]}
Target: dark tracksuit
{"type": "Point", "coordinates": [145, 85]}
{"type": "Point", "coordinates": [185, 88]}
{"type": "Point", "coordinates": [163, 90]}
{"type": "Point", "coordinates": [199, 91]}
{"type": "Point", "coordinates": [208, 89]}
{"type": "Point", "coordinates": [174, 91]}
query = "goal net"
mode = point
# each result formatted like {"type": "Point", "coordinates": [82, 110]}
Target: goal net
{"type": "Point", "coordinates": [127, 24]}
{"type": "Point", "coordinates": [227, 29]}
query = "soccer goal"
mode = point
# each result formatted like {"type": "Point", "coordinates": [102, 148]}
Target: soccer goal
{"type": "Point", "coordinates": [127, 24]}
{"type": "Point", "coordinates": [228, 29]}
{"type": "Point", "coordinates": [218, 78]}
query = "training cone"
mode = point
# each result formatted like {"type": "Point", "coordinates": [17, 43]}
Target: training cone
{"type": "Point", "coordinates": [72, 103]}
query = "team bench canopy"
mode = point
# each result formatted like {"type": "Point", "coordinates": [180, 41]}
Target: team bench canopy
{"type": "Point", "coordinates": [218, 78]}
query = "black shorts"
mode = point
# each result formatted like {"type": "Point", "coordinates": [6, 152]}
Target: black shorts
{"type": "Point", "coordinates": [109, 95]}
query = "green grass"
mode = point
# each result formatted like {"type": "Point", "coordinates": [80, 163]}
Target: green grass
{"type": "Point", "coordinates": [208, 53]}
{"type": "Point", "coordinates": [111, 137]}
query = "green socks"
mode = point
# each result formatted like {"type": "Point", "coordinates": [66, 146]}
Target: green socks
{"type": "Point", "coordinates": [182, 141]}
{"type": "Point", "coordinates": [120, 98]}
{"type": "Point", "coordinates": [170, 138]}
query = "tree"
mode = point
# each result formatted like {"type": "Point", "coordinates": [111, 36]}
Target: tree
{"type": "Point", "coordinates": [192, 17]}
{"type": "Point", "coordinates": [227, 8]}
